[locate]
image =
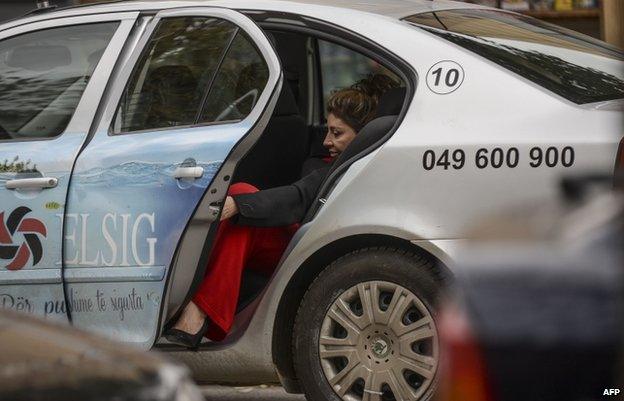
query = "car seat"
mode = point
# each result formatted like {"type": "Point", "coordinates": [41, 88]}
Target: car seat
{"type": "Point", "coordinates": [276, 158]}
{"type": "Point", "coordinates": [391, 102]}
{"type": "Point", "coordinates": [390, 105]}
{"type": "Point", "coordinates": [171, 96]}
{"type": "Point", "coordinates": [274, 161]}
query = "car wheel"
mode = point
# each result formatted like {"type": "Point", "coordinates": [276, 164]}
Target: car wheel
{"type": "Point", "coordinates": [365, 329]}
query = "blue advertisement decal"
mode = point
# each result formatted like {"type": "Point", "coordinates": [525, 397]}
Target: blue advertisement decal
{"type": "Point", "coordinates": [126, 208]}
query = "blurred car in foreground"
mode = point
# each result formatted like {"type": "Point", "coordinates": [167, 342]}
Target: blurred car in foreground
{"type": "Point", "coordinates": [539, 312]}
{"type": "Point", "coordinates": [44, 361]}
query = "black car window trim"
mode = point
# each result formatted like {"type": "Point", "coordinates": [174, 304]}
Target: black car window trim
{"type": "Point", "coordinates": [318, 29]}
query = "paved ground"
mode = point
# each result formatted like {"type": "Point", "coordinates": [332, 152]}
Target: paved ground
{"type": "Point", "coordinates": [260, 393]}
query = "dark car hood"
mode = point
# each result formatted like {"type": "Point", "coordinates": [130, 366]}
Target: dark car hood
{"type": "Point", "coordinates": [41, 360]}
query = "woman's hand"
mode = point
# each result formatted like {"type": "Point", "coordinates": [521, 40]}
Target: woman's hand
{"type": "Point", "coordinates": [229, 208]}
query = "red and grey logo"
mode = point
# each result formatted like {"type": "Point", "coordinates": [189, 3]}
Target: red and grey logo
{"type": "Point", "coordinates": [30, 228]}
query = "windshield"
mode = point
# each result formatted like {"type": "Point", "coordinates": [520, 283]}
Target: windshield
{"type": "Point", "coordinates": [577, 67]}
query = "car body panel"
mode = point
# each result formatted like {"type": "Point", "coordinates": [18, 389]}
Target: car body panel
{"type": "Point", "coordinates": [417, 206]}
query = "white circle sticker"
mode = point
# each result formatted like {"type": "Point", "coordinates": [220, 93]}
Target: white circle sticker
{"type": "Point", "coordinates": [445, 77]}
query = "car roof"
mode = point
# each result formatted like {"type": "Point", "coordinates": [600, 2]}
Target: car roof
{"type": "Point", "coordinates": [388, 8]}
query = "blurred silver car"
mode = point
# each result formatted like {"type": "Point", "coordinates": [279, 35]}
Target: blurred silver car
{"type": "Point", "coordinates": [122, 126]}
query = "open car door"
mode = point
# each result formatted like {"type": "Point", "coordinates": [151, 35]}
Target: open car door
{"type": "Point", "coordinates": [191, 99]}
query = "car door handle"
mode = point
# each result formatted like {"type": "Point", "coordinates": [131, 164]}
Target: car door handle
{"type": "Point", "coordinates": [32, 183]}
{"type": "Point", "coordinates": [188, 172]}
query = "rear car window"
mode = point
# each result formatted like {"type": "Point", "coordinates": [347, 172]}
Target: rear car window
{"type": "Point", "coordinates": [43, 75]}
{"type": "Point", "coordinates": [575, 66]}
{"type": "Point", "coordinates": [342, 67]}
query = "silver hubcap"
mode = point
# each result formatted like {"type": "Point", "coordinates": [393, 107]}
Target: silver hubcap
{"type": "Point", "coordinates": [378, 342]}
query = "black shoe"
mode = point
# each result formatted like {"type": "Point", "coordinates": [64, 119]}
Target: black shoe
{"type": "Point", "coordinates": [185, 339]}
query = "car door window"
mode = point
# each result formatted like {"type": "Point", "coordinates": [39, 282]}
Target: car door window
{"type": "Point", "coordinates": [342, 67]}
{"type": "Point", "coordinates": [170, 81]}
{"type": "Point", "coordinates": [43, 75]}
{"type": "Point", "coordinates": [241, 78]}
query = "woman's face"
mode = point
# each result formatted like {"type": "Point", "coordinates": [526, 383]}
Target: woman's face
{"type": "Point", "coordinates": [339, 135]}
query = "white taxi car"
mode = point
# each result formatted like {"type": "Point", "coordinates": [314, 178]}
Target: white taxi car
{"type": "Point", "coordinates": [122, 126]}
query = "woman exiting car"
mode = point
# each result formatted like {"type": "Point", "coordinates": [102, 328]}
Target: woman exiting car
{"type": "Point", "coordinates": [256, 226]}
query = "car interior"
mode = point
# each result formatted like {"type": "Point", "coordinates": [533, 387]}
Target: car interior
{"type": "Point", "coordinates": [294, 136]}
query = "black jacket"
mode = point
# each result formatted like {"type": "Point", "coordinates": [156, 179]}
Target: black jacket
{"type": "Point", "coordinates": [280, 206]}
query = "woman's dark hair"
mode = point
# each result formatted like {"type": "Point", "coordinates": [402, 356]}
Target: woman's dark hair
{"type": "Point", "coordinates": [357, 104]}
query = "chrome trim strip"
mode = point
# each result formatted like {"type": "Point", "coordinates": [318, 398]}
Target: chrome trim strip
{"type": "Point", "coordinates": [37, 276]}
{"type": "Point", "coordinates": [114, 274]}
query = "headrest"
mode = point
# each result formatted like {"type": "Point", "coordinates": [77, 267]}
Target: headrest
{"type": "Point", "coordinates": [370, 134]}
{"type": "Point", "coordinates": [178, 78]}
{"type": "Point", "coordinates": [367, 137]}
{"type": "Point", "coordinates": [391, 102]}
{"type": "Point", "coordinates": [286, 104]}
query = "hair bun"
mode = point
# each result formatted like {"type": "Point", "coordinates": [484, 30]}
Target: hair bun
{"type": "Point", "coordinates": [375, 85]}
{"type": "Point", "coordinates": [357, 104]}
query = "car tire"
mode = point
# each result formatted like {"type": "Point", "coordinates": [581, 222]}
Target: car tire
{"type": "Point", "coordinates": [364, 354]}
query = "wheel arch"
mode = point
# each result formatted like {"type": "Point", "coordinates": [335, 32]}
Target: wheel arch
{"type": "Point", "coordinates": [305, 275]}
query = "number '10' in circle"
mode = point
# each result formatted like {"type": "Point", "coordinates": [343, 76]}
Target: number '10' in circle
{"type": "Point", "coordinates": [445, 77]}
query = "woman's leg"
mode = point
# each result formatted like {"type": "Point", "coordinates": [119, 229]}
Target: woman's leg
{"type": "Point", "coordinates": [217, 295]}
{"type": "Point", "coordinates": [241, 247]}
{"type": "Point", "coordinates": [236, 248]}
